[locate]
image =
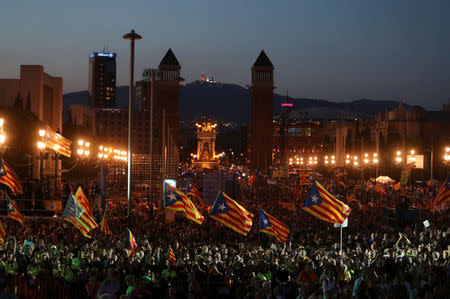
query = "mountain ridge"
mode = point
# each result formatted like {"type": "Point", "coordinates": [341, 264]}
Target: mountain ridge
{"type": "Point", "coordinates": [231, 102]}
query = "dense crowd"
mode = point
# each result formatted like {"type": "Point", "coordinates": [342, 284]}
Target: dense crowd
{"type": "Point", "coordinates": [51, 259]}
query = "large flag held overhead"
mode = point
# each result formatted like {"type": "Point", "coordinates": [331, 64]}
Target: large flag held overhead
{"type": "Point", "coordinates": [444, 194]}
{"type": "Point", "coordinates": [192, 191]}
{"type": "Point", "coordinates": [2, 234]}
{"type": "Point", "coordinates": [9, 178]}
{"type": "Point", "coordinates": [176, 200]}
{"type": "Point", "coordinates": [104, 227]}
{"type": "Point", "coordinates": [406, 174]}
{"type": "Point", "coordinates": [272, 226]}
{"type": "Point", "coordinates": [231, 214]}
{"type": "Point", "coordinates": [321, 204]}
{"type": "Point", "coordinates": [172, 258]}
{"type": "Point", "coordinates": [130, 244]}
{"type": "Point", "coordinates": [83, 201]}
{"type": "Point", "coordinates": [77, 215]}
{"type": "Point", "coordinates": [57, 142]}
{"type": "Point", "coordinates": [13, 211]}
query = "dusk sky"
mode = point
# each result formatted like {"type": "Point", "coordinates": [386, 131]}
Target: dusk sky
{"type": "Point", "coordinates": [337, 50]}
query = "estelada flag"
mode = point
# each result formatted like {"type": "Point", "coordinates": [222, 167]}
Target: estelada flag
{"type": "Point", "coordinates": [321, 204]}
{"type": "Point", "coordinates": [192, 191]}
{"type": "Point", "coordinates": [13, 211]}
{"type": "Point", "coordinates": [104, 227]}
{"type": "Point", "coordinates": [130, 243]}
{"type": "Point", "coordinates": [172, 258]}
{"type": "Point", "coordinates": [443, 195]}
{"type": "Point", "coordinates": [2, 234]}
{"type": "Point", "coordinates": [272, 226]}
{"type": "Point", "coordinates": [83, 201]}
{"type": "Point", "coordinates": [57, 142]}
{"type": "Point", "coordinates": [306, 178]}
{"type": "Point", "coordinates": [9, 178]}
{"type": "Point", "coordinates": [75, 214]}
{"type": "Point", "coordinates": [176, 200]}
{"type": "Point", "coordinates": [231, 214]}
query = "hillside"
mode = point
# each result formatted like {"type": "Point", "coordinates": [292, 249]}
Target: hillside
{"type": "Point", "coordinates": [231, 102]}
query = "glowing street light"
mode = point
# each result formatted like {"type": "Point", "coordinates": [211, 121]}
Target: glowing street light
{"type": "Point", "coordinates": [447, 155]}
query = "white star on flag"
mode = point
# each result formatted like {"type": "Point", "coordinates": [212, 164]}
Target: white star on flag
{"type": "Point", "coordinates": [10, 207]}
{"type": "Point", "coordinates": [222, 207]}
{"type": "Point", "coordinates": [172, 196]}
{"type": "Point", "coordinates": [314, 198]}
{"type": "Point", "coordinates": [265, 221]}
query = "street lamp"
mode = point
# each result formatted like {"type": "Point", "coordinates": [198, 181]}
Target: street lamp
{"type": "Point", "coordinates": [447, 155]}
{"type": "Point", "coordinates": [398, 158]}
{"type": "Point", "coordinates": [132, 36]}
{"type": "Point", "coordinates": [41, 148]}
{"type": "Point", "coordinates": [2, 134]}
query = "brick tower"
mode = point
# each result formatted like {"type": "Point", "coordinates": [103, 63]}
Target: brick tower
{"type": "Point", "coordinates": [168, 98]}
{"type": "Point", "coordinates": [261, 114]}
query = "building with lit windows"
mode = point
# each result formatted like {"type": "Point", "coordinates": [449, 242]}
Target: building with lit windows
{"type": "Point", "coordinates": [102, 79]}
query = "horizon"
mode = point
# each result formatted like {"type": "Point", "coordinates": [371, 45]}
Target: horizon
{"type": "Point", "coordinates": [323, 50]}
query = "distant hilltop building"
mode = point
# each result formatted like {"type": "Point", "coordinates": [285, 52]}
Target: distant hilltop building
{"type": "Point", "coordinates": [205, 79]}
{"type": "Point", "coordinates": [102, 79]}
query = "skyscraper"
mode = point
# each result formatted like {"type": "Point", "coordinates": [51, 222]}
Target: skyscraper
{"type": "Point", "coordinates": [102, 79]}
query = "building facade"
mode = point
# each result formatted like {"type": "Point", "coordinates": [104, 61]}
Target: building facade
{"type": "Point", "coordinates": [44, 93]}
{"type": "Point", "coordinates": [206, 146]}
{"type": "Point", "coordinates": [102, 79]}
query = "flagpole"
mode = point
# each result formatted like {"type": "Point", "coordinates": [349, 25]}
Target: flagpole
{"type": "Point", "coordinates": [340, 243]}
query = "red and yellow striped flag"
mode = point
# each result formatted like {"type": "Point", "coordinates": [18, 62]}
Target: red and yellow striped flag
{"type": "Point", "coordinates": [231, 214]}
{"type": "Point", "coordinates": [104, 227]}
{"type": "Point", "coordinates": [444, 194]}
{"type": "Point", "coordinates": [2, 234]}
{"type": "Point", "coordinates": [172, 258]}
{"type": "Point", "coordinates": [57, 142]}
{"type": "Point", "coordinates": [321, 204]}
{"type": "Point", "coordinates": [9, 178]}
{"type": "Point", "coordinates": [83, 201]}
{"type": "Point", "coordinates": [13, 211]}
{"type": "Point", "coordinates": [272, 226]}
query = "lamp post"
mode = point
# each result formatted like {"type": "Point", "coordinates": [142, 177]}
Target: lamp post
{"type": "Point", "coordinates": [2, 137]}
{"type": "Point", "coordinates": [132, 36]}
{"type": "Point", "coordinates": [41, 148]}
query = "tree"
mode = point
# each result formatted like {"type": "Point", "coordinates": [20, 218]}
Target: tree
{"type": "Point", "coordinates": [18, 102]}
{"type": "Point", "coordinates": [28, 102]}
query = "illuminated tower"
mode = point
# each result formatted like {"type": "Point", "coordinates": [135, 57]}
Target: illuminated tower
{"type": "Point", "coordinates": [261, 113]}
{"type": "Point", "coordinates": [168, 98]}
{"type": "Point", "coordinates": [206, 143]}
{"type": "Point", "coordinates": [102, 79]}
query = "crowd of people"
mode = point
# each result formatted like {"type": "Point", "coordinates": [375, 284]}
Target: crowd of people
{"type": "Point", "coordinates": [51, 259]}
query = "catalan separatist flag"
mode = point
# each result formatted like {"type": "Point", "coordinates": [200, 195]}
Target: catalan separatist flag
{"type": "Point", "coordinates": [57, 142]}
{"type": "Point", "coordinates": [272, 226]}
{"type": "Point", "coordinates": [9, 178]}
{"type": "Point", "coordinates": [83, 201]}
{"type": "Point", "coordinates": [195, 194]}
{"type": "Point", "coordinates": [321, 204]}
{"type": "Point", "coordinates": [406, 174]}
{"type": "Point", "coordinates": [104, 227]}
{"type": "Point", "coordinates": [231, 214]}
{"type": "Point", "coordinates": [443, 195]}
{"type": "Point", "coordinates": [130, 244]}
{"type": "Point", "coordinates": [172, 258]}
{"type": "Point", "coordinates": [306, 178]}
{"type": "Point", "coordinates": [2, 234]}
{"type": "Point", "coordinates": [77, 215]}
{"type": "Point", "coordinates": [13, 211]}
{"type": "Point", "coordinates": [176, 200]}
